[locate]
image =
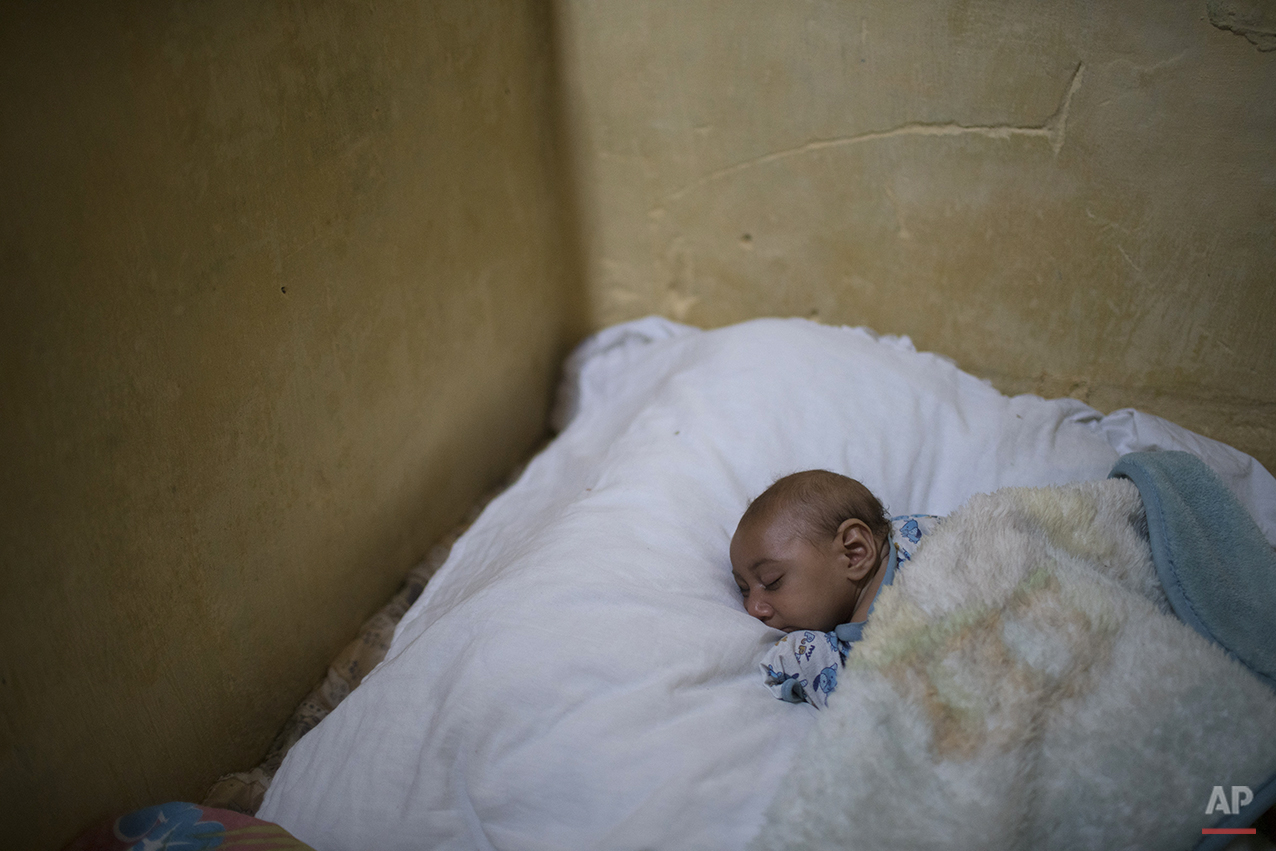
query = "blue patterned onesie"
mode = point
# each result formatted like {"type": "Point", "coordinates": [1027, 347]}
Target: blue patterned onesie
{"type": "Point", "coordinates": [803, 665]}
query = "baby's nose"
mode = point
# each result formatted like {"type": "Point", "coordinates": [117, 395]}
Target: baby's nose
{"type": "Point", "coordinates": [759, 607]}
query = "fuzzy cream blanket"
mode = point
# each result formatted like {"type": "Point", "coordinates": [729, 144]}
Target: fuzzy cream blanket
{"type": "Point", "coordinates": [1024, 685]}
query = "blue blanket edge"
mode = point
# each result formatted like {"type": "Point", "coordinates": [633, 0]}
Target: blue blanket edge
{"type": "Point", "coordinates": [1173, 485]}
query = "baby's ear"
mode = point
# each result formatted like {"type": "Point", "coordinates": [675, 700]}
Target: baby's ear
{"type": "Point", "coordinates": [859, 546]}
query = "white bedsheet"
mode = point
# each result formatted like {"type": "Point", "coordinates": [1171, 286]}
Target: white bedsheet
{"type": "Point", "coordinates": [581, 674]}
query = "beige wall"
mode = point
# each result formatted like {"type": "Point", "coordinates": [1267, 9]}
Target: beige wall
{"type": "Point", "coordinates": [282, 289]}
{"type": "Point", "coordinates": [1069, 198]}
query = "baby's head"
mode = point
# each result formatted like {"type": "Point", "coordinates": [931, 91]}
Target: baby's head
{"type": "Point", "coordinates": [807, 548]}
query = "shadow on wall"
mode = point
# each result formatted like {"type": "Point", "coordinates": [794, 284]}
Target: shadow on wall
{"type": "Point", "coordinates": [284, 291]}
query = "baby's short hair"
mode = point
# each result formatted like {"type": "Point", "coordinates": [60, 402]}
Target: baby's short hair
{"type": "Point", "coordinates": [821, 501]}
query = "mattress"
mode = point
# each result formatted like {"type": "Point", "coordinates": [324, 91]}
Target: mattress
{"type": "Point", "coordinates": [581, 673]}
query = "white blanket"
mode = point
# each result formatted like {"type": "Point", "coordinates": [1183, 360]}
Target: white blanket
{"type": "Point", "coordinates": [581, 673]}
{"type": "Point", "coordinates": [1023, 685]}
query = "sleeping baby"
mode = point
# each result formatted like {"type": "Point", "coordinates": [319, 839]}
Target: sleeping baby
{"type": "Point", "coordinates": [810, 554]}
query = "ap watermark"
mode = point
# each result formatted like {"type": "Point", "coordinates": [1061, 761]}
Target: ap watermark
{"type": "Point", "coordinates": [1241, 795]}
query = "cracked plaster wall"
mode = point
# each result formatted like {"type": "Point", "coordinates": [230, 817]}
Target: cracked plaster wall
{"type": "Point", "coordinates": [283, 288]}
{"type": "Point", "coordinates": [1068, 198]}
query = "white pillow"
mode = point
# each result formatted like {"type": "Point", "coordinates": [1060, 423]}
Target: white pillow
{"type": "Point", "coordinates": [580, 673]}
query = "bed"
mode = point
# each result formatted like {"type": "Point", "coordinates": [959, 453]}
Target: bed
{"type": "Point", "coordinates": [580, 673]}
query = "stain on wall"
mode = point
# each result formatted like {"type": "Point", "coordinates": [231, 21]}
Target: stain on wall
{"type": "Point", "coordinates": [1067, 198]}
{"type": "Point", "coordinates": [284, 288]}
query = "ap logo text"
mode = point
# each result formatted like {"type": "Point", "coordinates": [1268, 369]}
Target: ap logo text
{"type": "Point", "coordinates": [1241, 795]}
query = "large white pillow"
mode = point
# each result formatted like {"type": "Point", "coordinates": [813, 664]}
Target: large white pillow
{"type": "Point", "coordinates": [581, 674]}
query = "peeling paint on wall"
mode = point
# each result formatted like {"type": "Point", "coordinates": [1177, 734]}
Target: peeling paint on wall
{"type": "Point", "coordinates": [1254, 19]}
